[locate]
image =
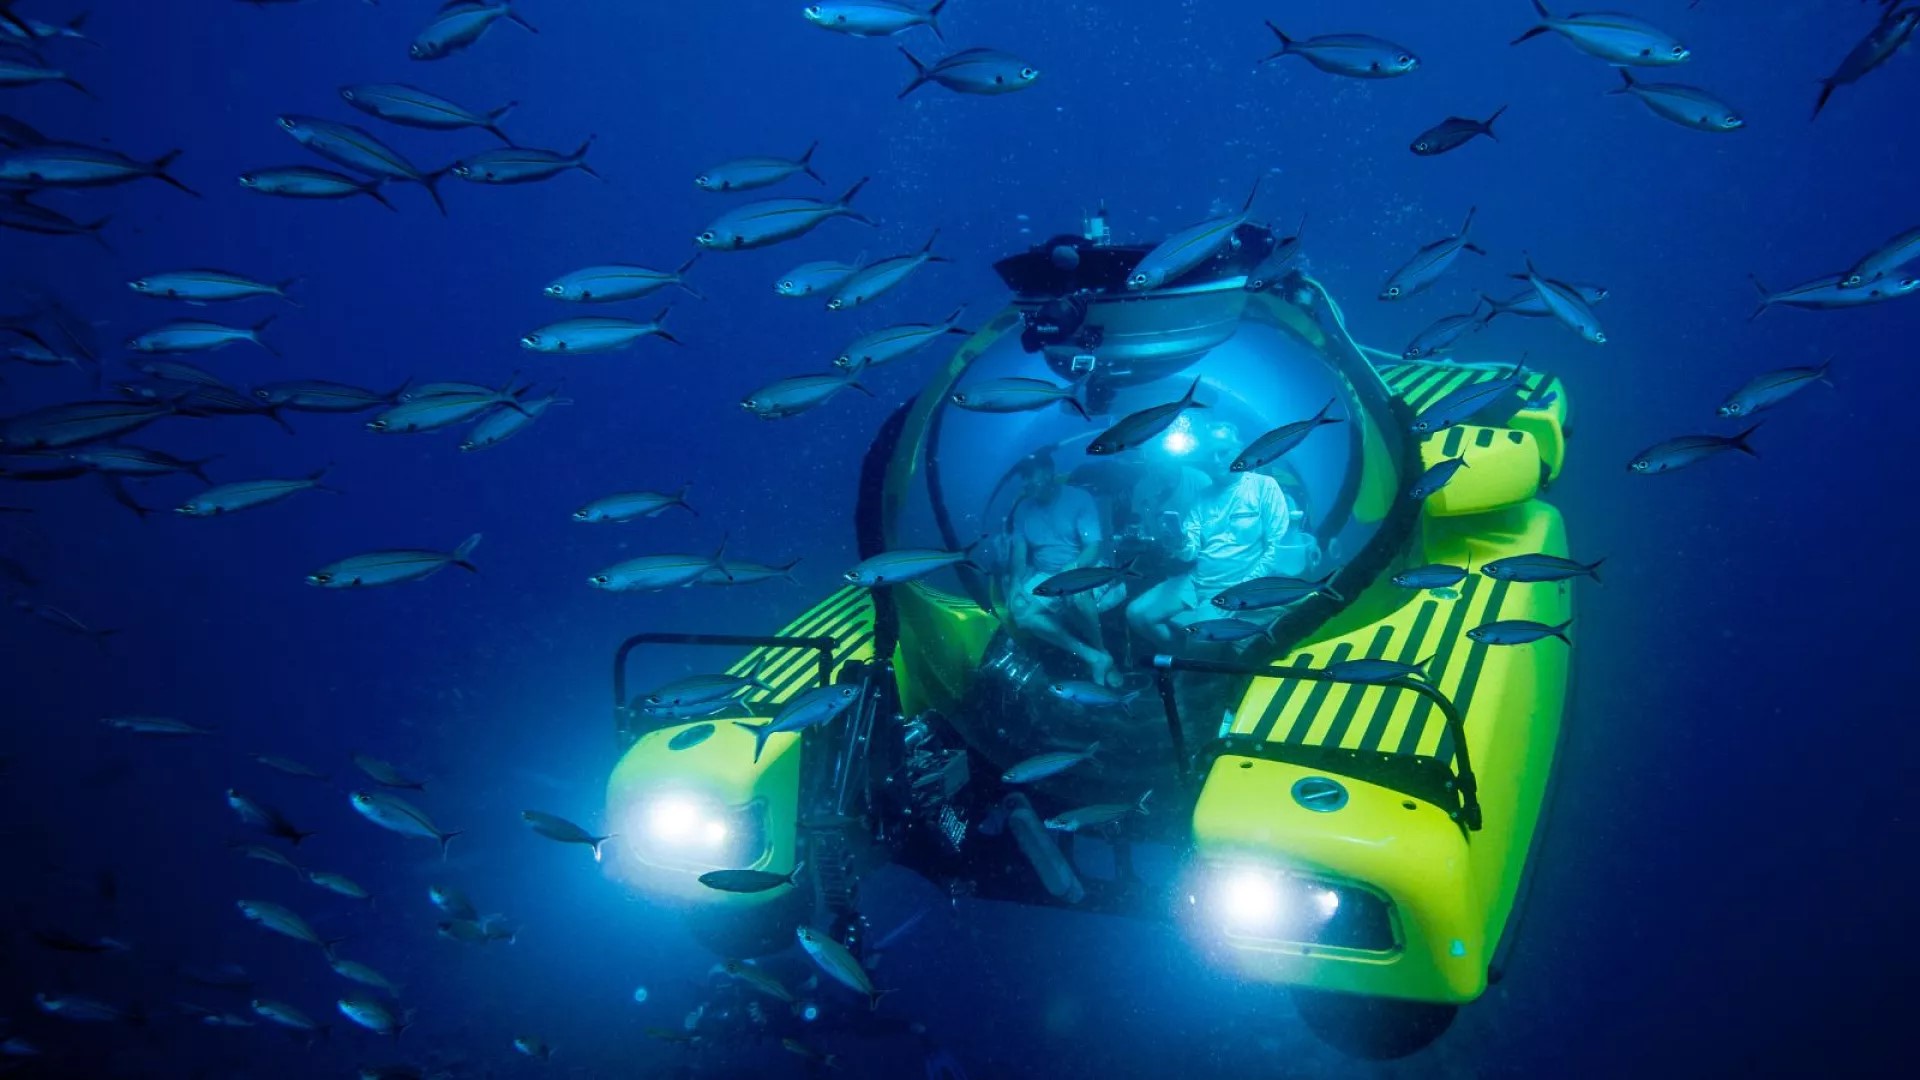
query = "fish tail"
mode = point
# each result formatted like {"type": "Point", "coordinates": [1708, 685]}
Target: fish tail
{"type": "Point", "coordinates": [1486, 126]}
{"type": "Point", "coordinates": [579, 159]}
{"type": "Point", "coordinates": [806, 163]}
{"type": "Point", "coordinates": [463, 558]}
{"type": "Point", "coordinates": [1739, 442]}
{"type": "Point", "coordinates": [315, 479]}
{"type": "Point", "coordinates": [793, 878]}
{"type": "Point", "coordinates": [431, 181]}
{"type": "Point", "coordinates": [515, 17]}
{"type": "Point", "coordinates": [719, 554]}
{"type": "Point", "coordinates": [680, 278]}
{"type": "Point", "coordinates": [160, 173]}
{"type": "Point", "coordinates": [1827, 87]}
{"type": "Point", "coordinates": [280, 290]}
{"type": "Point", "coordinates": [680, 499]}
{"type": "Point", "coordinates": [1592, 570]}
{"type": "Point", "coordinates": [787, 571]}
{"type": "Point", "coordinates": [93, 229]}
{"type": "Point", "coordinates": [1530, 34]}
{"type": "Point", "coordinates": [1140, 804]}
{"type": "Point", "coordinates": [1766, 297]}
{"type": "Point", "coordinates": [760, 733]}
{"type": "Point", "coordinates": [846, 200]}
{"type": "Point", "coordinates": [492, 125]}
{"type": "Point", "coordinates": [1286, 43]}
{"type": "Point", "coordinates": [198, 469]}
{"type": "Point", "coordinates": [933, 20]}
{"type": "Point", "coordinates": [599, 842]}
{"type": "Point", "coordinates": [1326, 585]}
{"type": "Point", "coordinates": [1560, 631]}
{"type": "Point", "coordinates": [1253, 191]}
{"type": "Point", "coordinates": [446, 841]}
{"type": "Point", "coordinates": [1626, 82]}
{"type": "Point", "coordinates": [258, 328]}
{"type": "Point", "coordinates": [919, 74]}
{"type": "Point", "coordinates": [80, 86]}
{"type": "Point", "coordinates": [327, 946]}
{"type": "Point", "coordinates": [372, 191]}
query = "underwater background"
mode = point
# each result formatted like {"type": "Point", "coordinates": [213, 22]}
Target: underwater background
{"type": "Point", "coordinates": [1725, 883]}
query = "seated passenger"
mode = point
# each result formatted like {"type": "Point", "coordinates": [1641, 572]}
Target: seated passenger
{"type": "Point", "coordinates": [1232, 532]}
{"type": "Point", "coordinates": [1056, 527]}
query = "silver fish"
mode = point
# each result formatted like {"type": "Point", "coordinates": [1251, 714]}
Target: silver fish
{"type": "Point", "coordinates": [1436, 477]}
{"type": "Point", "coordinates": [792, 396]}
{"type": "Point", "coordinates": [972, 71]}
{"type": "Point", "coordinates": [773, 220]}
{"type": "Point", "coordinates": [1566, 303]}
{"type": "Point", "coordinates": [1375, 670]}
{"type": "Point", "coordinates": [1611, 36]}
{"type": "Point", "coordinates": [1274, 591]}
{"type": "Point", "coordinates": [207, 286]}
{"type": "Point", "coordinates": [1688, 449]}
{"type": "Point", "coordinates": [1080, 579]}
{"type": "Point", "coordinates": [873, 18]}
{"type": "Point", "coordinates": [522, 164]}
{"type": "Point", "coordinates": [345, 144]}
{"type": "Point", "coordinates": [1273, 268]}
{"type": "Point", "coordinates": [1089, 695]}
{"type": "Point", "coordinates": [338, 884]}
{"type": "Point", "coordinates": [1540, 567]}
{"type": "Point", "coordinates": [809, 278]}
{"type": "Point", "coordinates": [1765, 391]}
{"type": "Point", "coordinates": [596, 334]}
{"type": "Point", "coordinates": [373, 1014]}
{"type": "Point", "coordinates": [1137, 428]}
{"type": "Point", "coordinates": [1827, 294]}
{"type": "Point", "coordinates": [503, 424]}
{"type": "Point", "coordinates": [288, 766]}
{"type": "Point", "coordinates": [532, 1047]}
{"type": "Point", "coordinates": [1283, 440]}
{"type": "Point", "coordinates": [139, 461]}
{"type": "Point", "coordinates": [1895, 29]}
{"type": "Point", "coordinates": [410, 106]}
{"type": "Point", "coordinates": [869, 282]}
{"type": "Point", "coordinates": [1430, 262]}
{"type": "Point", "coordinates": [195, 335]}
{"type": "Point", "coordinates": [818, 706]}
{"type": "Point", "coordinates": [270, 916]}
{"type": "Point", "coordinates": [1041, 766]}
{"type": "Point", "coordinates": [319, 395]}
{"type": "Point", "coordinates": [1440, 335]}
{"type": "Point", "coordinates": [284, 1014]}
{"type": "Point", "coordinates": [453, 902]}
{"type": "Point", "coordinates": [839, 964]}
{"type": "Point", "coordinates": [748, 573]}
{"type": "Point", "coordinates": [306, 182]}
{"type": "Point", "coordinates": [393, 567]}
{"type": "Point", "coordinates": [386, 774]}
{"type": "Point", "coordinates": [19, 214]}
{"type": "Point", "coordinates": [1464, 403]}
{"type": "Point", "coordinates": [1019, 394]}
{"type": "Point", "coordinates": [270, 856]}
{"type": "Point", "coordinates": [1432, 576]}
{"type": "Point", "coordinates": [156, 726]}
{"type": "Point", "coordinates": [1454, 132]}
{"type": "Point", "coordinates": [442, 410]}
{"type": "Point", "coordinates": [649, 572]}
{"type": "Point", "coordinates": [749, 881]}
{"type": "Point", "coordinates": [566, 832]}
{"type": "Point", "coordinates": [629, 505]}
{"type": "Point", "coordinates": [395, 814]}
{"type": "Point", "coordinates": [1528, 304]}
{"type": "Point", "coordinates": [618, 281]}
{"type": "Point", "coordinates": [903, 565]}
{"type": "Point", "coordinates": [694, 689]}
{"type": "Point", "coordinates": [1097, 815]}
{"type": "Point", "coordinates": [1688, 106]}
{"type": "Point", "coordinates": [1518, 632]}
{"type": "Point", "coordinates": [745, 174]}
{"type": "Point", "coordinates": [1359, 56]}
{"type": "Point", "coordinates": [261, 816]}
{"type": "Point", "coordinates": [72, 165]}
{"type": "Point", "coordinates": [247, 494]}
{"type": "Point", "coordinates": [1897, 252]}
{"type": "Point", "coordinates": [757, 978]}
{"type": "Point", "coordinates": [460, 23]}
{"type": "Point", "coordinates": [79, 1008]}
{"type": "Point", "coordinates": [1179, 254]}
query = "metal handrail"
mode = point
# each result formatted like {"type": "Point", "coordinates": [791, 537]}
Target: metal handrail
{"type": "Point", "coordinates": [622, 715]}
{"type": "Point", "coordinates": [1165, 665]}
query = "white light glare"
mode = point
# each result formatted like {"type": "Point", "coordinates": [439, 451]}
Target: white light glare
{"type": "Point", "coordinates": [671, 820]}
{"type": "Point", "coordinates": [1249, 898]}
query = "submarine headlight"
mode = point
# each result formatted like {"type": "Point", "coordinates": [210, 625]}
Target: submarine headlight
{"type": "Point", "coordinates": [1249, 899]}
{"type": "Point", "coordinates": [1179, 440]}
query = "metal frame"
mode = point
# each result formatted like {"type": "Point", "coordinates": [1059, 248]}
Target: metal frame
{"type": "Point", "coordinates": [624, 718]}
{"type": "Point", "coordinates": [1164, 666]}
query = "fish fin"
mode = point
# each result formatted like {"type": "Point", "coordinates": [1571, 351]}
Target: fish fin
{"type": "Point", "coordinates": [760, 733]}
{"type": "Point", "coordinates": [598, 842]}
{"type": "Point", "coordinates": [856, 385]}
{"type": "Point", "coordinates": [680, 499]}
{"type": "Point", "coordinates": [1529, 35]}
{"type": "Point", "coordinates": [806, 163]}
{"type": "Point", "coordinates": [1827, 87]}
{"type": "Point", "coordinates": [1475, 248]}
{"type": "Point", "coordinates": [933, 20]}
{"type": "Point", "coordinates": [515, 17]}
{"type": "Point", "coordinates": [669, 338]}
{"type": "Point", "coordinates": [1286, 43]}
{"type": "Point", "coordinates": [256, 329]}
{"type": "Point", "coordinates": [446, 838]}
{"type": "Point", "coordinates": [1593, 570]}
{"type": "Point", "coordinates": [793, 878]}
{"type": "Point", "coordinates": [398, 390]}
{"type": "Point", "coordinates": [463, 555]}
{"type": "Point", "coordinates": [1253, 191]}
{"type": "Point", "coordinates": [1093, 748]}
{"type": "Point", "coordinates": [280, 290]}
{"type": "Point", "coordinates": [372, 191]}
{"type": "Point", "coordinates": [431, 181]}
{"type": "Point", "coordinates": [927, 248]}
{"type": "Point", "coordinates": [320, 474]}
{"type": "Point", "coordinates": [1626, 85]}
{"type": "Point", "coordinates": [1739, 442]}
{"type": "Point", "coordinates": [719, 556]}
{"type": "Point", "coordinates": [579, 159]}
{"type": "Point", "coordinates": [1486, 126]}
{"type": "Point", "coordinates": [160, 173]}
{"type": "Point", "coordinates": [1140, 804]}
{"type": "Point", "coordinates": [1560, 631]}
{"type": "Point", "coordinates": [679, 277]}
{"type": "Point", "coordinates": [847, 198]}
{"type": "Point", "coordinates": [919, 74]}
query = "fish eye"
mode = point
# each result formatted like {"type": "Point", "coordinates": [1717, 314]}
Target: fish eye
{"type": "Point", "coordinates": [1137, 279]}
{"type": "Point", "coordinates": [601, 579]}
{"type": "Point", "coordinates": [261, 394]}
{"type": "Point", "coordinates": [1599, 338]}
{"type": "Point", "coordinates": [347, 93]}
{"type": "Point", "coordinates": [140, 284]}
{"type": "Point", "coordinates": [1404, 60]}
{"type": "Point", "coordinates": [322, 579]}
{"type": "Point", "coordinates": [785, 286]}
{"type": "Point", "coordinates": [1421, 145]}
{"type": "Point", "coordinates": [531, 341]}
{"type": "Point", "coordinates": [1849, 280]}
{"type": "Point", "coordinates": [1393, 290]}
{"type": "Point", "coordinates": [1029, 74]}
{"type": "Point", "coordinates": [555, 290]}
{"type": "Point", "coordinates": [813, 10]}
{"type": "Point", "coordinates": [286, 122]}
{"type": "Point", "coordinates": [376, 425]}
{"type": "Point", "coordinates": [701, 180]}
{"type": "Point", "coordinates": [1679, 50]}
{"type": "Point", "coordinates": [707, 237]}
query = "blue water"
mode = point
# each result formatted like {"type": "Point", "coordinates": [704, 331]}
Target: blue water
{"type": "Point", "coordinates": [1720, 891]}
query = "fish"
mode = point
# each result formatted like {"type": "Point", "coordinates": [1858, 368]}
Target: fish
{"type": "Point", "coordinates": [218, 977]}
{"type": "Point", "coordinates": [1518, 632]}
{"type": "Point", "coordinates": [750, 881]}
{"type": "Point", "coordinates": [1463, 403]}
{"type": "Point", "coordinates": [1053, 763]}
{"type": "Point", "coordinates": [809, 278]}
{"type": "Point", "coordinates": [1897, 252]}
{"type": "Point", "coordinates": [1688, 106]}
{"type": "Point", "coordinates": [76, 166]}
{"type": "Point", "coordinates": [1540, 567]}
{"type": "Point", "coordinates": [1272, 268]}
{"type": "Point", "coordinates": [972, 71]}
{"type": "Point", "coordinates": [358, 972]}
{"type": "Point", "coordinates": [1137, 428]}
{"type": "Point", "coordinates": [214, 1017]}
{"type": "Point", "coordinates": [15, 133]}
{"type": "Point", "coordinates": [460, 23]}
{"type": "Point", "coordinates": [628, 505]}
{"type": "Point", "coordinates": [21, 215]}
{"type": "Point", "coordinates": [1081, 579]}
{"type": "Point", "coordinates": [869, 282]}
{"type": "Point", "coordinates": [503, 424]}
{"type": "Point", "coordinates": [1020, 394]}
{"type": "Point", "coordinates": [619, 281]}
{"type": "Point", "coordinates": [195, 335]}
{"type": "Point", "coordinates": [270, 856]}
{"type": "Point", "coordinates": [815, 708]}
{"type": "Point", "coordinates": [386, 774]}
{"type": "Point", "coordinates": [1089, 695]}
{"type": "Point", "coordinates": [393, 567]}
{"type": "Point", "coordinates": [1611, 36]}
{"type": "Point", "coordinates": [801, 393]}
{"type": "Point", "coordinates": [21, 72]}
{"type": "Point", "coordinates": [1098, 815]}
{"type": "Point", "coordinates": [339, 884]}
{"type": "Point", "coordinates": [286, 1015]}
{"type": "Point", "coordinates": [264, 817]}
{"type": "Point", "coordinates": [1282, 440]}
{"type": "Point", "coordinates": [373, 1014]}
{"type": "Point", "coordinates": [354, 147]}
{"type": "Point", "coordinates": [270, 916]}
{"type": "Point", "coordinates": [1228, 630]}
{"type": "Point", "coordinates": [1430, 262]}
{"type": "Point", "coordinates": [839, 964]}
{"type": "Point", "coordinates": [694, 689]}
{"type": "Point", "coordinates": [1826, 294]}
{"type": "Point", "coordinates": [81, 1009]}
{"type": "Point", "coordinates": [1183, 252]}
{"type": "Point", "coordinates": [482, 932]}
{"type": "Point", "coordinates": [1688, 449]}
{"type": "Point", "coordinates": [453, 903]}
{"type": "Point", "coordinates": [410, 106]}
{"type": "Point", "coordinates": [29, 31]}
{"type": "Point", "coordinates": [522, 164]}
{"type": "Point", "coordinates": [139, 461]}
{"type": "Point", "coordinates": [155, 726]}
{"type": "Point", "coordinates": [770, 221]}
{"type": "Point", "coordinates": [691, 737]}
{"type": "Point", "coordinates": [566, 832]}
{"type": "Point", "coordinates": [1359, 56]}
{"type": "Point", "coordinates": [208, 286]}
{"type": "Point", "coordinates": [746, 174]}
{"type": "Point", "coordinates": [62, 941]}
{"type": "Point", "coordinates": [650, 572]}
{"type": "Point", "coordinates": [1567, 304]}
{"type": "Point", "coordinates": [1436, 477]}
{"type": "Point", "coordinates": [395, 814]}
{"type": "Point", "coordinates": [319, 395]}
{"type": "Point", "coordinates": [902, 565]}
{"type": "Point", "coordinates": [596, 334]}
{"type": "Point", "coordinates": [749, 975]}
{"type": "Point", "coordinates": [1431, 576]}
{"type": "Point", "coordinates": [306, 182]}
{"type": "Point", "coordinates": [1376, 670]}
{"type": "Point", "coordinates": [1765, 391]}
{"type": "Point", "coordinates": [431, 413]}
{"type": "Point", "coordinates": [247, 494]}
{"type": "Point", "coordinates": [873, 18]}
{"type": "Point", "coordinates": [1440, 335]}
{"type": "Point", "coordinates": [1274, 591]}
{"type": "Point", "coordinates": [532, 1047]}
{"type": "Point", "coordinates": [748, 573]}
{"type": "Point", "coordinates": [1894, 30]}
{"type": "Point", "coordinates": [1453, 133]}
{"type": "Point", "coordinates": [815, 1059]}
